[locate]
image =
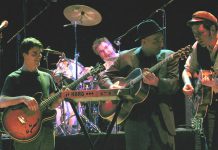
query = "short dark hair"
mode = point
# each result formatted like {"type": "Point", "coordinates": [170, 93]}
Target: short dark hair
{"type": "Point", "coordinates": [97, 42]}
{"type": "Point", "coordinates": [29, 43]}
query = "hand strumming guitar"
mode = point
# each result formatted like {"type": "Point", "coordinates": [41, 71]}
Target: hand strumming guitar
{"type": "Point", "coordinates": [116, 85]}
{"type": "Point", "coordinates": [150, 78]}
{"type": "Point", "coordinates": [30, 102]}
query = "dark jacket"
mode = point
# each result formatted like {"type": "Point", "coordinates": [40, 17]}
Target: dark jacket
{"type": "Point", "coordinates": [168, 83]}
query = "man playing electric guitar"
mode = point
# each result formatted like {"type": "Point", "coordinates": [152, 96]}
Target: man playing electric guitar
{"type": "Point", "coordinates": [150, 124]}
{"type": "Point", "coordinates": [28, 80]}
{"type": "Point", "coordinates": [204, 26]}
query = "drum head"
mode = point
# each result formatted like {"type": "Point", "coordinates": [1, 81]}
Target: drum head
{"type": "Point", "coordinates": [67, 67]}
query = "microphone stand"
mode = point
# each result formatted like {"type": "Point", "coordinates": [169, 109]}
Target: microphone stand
{"type": "Point", "coordinates": [117, 40]}
{"type": "Point", "coordinates": [82, 126]}
{"type": "Point", "coordinates": [24, 16]}
{"type": "Point", "coordinates": [112, 123]}
{"type": "Point", "coordinates": [27, 24]}
{"type": "Point", "coordinates": [164, 26]}
{"type": "Point", "coordinates": [1, 58]}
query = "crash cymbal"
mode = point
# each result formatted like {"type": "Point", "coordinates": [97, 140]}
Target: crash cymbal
{"type": "Point", "coordinates": [82, 15]}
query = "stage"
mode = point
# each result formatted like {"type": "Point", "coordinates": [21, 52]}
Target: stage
{"type": "Point", "coordinates": [186, 139]}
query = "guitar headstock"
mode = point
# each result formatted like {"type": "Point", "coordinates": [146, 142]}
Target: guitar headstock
{"type": "Point", "coordinates": [98, 68]}
{"type": "Point", "coordinates": [183, 53]}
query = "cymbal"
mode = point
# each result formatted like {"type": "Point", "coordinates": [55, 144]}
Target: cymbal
{"type": "Point", "coordinates": [82, 15]}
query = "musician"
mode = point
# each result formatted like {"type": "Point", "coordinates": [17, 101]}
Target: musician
{"type": "Point", "coordinates": [28, 81]}
{"type": "Point", "coordinates": [104, 48]}
{"type": "Point", "coordinates": [150, 124]}
{"type": "Point", "coordinates": [204, 57]}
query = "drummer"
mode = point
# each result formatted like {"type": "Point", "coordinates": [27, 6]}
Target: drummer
{"type": "Point", "coordinates": [104, 48]}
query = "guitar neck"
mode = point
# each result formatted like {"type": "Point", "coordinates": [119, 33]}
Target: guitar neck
{"type": "Point", "coordinates": [53, 98]}
{"type": "Point", "coordinates": [97, 95]}
{"type": "Point", "coordinates": [159, 64]}
{"type": "Point", "coordinates": [72, 85]}
{"type": "Point", "coordinates": [152, 69]}
{"type": "Point", "coordinates": [43, 105]}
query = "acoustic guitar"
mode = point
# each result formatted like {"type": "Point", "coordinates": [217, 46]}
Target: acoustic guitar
{"type": "Point", "coordinates": [141, 91]}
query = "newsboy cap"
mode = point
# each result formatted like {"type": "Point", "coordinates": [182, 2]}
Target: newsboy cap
{"type": "Point", "coordinates": [201, 16]}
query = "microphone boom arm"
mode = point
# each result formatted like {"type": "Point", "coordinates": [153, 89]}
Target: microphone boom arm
{"type": "Point", "coordinates": [34, 18]}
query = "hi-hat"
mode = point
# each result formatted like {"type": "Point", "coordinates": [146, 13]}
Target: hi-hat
{"type": "Point", "coordinates": [82, 15]}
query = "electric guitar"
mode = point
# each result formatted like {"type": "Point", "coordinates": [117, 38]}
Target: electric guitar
{"type": "Point", "coordinates": [141, 91]}
{"type": "Point", "coordinates": [202, 97]}
{"type": "Point", "coordinates": [24, 125]}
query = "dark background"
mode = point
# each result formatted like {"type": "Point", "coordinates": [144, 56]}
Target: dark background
{"type": "Point", "coordinates": [117, 17]}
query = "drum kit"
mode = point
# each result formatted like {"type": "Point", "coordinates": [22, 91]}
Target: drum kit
{"type": "Point", "coordinates": [68, 70]}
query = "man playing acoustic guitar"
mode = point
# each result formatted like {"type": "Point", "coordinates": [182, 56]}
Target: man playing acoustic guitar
{"type": "Point", "coordinates": [204, 61]}
{"type": "Point", "coordinates": [31, 129]}
{"type": "Point", "coordinates": [150, 124]}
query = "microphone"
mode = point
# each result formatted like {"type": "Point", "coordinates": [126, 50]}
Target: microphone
{"type": "Point", "coordinates": [117, 42]}
{"type": "Point", "coordinates": [67, 25]}
{"type": "Point", "coordinates": [48, 50]}
{"type": "Point", "coordinates": [158, 10]}
{"type": "Point", "coordinates": [3, 25]}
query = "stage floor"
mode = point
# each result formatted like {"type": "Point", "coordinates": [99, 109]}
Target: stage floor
{"type": "Point", "coordinates": [186, 139]}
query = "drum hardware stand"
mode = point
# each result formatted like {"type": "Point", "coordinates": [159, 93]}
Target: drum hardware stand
{"type": "Point", "coordinates": [62, 125]}
{"type": "Point", "coordinates": [90, 124]}
{"type": "Point", "coordinates": [76, 54]}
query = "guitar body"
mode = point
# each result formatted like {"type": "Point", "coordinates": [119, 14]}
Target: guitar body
{"type": "Point", "coordinates": [22, 124]}
{"type": "Point", "coordinates": [140, 93]}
